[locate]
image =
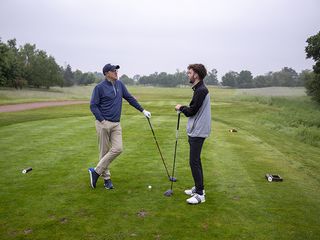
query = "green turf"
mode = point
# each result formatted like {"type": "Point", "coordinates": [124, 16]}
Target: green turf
{"type": "Point", "coordinates": [54, 201]}
{"type": "Point", "coordinates": [10, 96]}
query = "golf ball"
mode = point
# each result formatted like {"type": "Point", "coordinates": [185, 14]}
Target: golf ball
{"type": "Point", "coordinates": [24, 171]}
{"type": "Point", "coordinates": [149, 186]}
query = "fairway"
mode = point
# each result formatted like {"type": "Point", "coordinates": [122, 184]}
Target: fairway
{"type": "Point", "coordinates": [278, 135]}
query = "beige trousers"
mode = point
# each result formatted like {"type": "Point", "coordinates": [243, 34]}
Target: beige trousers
{"type": "Point", "coordinates": [110, 145]}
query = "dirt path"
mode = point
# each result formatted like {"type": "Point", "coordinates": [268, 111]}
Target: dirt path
{"type": "Point", "coordinates": [27, 106]}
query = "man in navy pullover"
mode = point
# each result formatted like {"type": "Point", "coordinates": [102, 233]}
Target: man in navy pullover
{"type": "Point", "coordinates": [106, 106]}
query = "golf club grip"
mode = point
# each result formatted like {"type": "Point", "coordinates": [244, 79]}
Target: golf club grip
{"type": "Point", "coordinates": [178, 124]}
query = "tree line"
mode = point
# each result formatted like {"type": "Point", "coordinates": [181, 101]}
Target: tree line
{"type": "Point", "coordinates": [164, 79]}
{"type": "Point", "coordinates": [28, 66]}
{"type": "Point", "coordinates": [77, 77]}
{"type": "Point", "coordinates": [286, 77]}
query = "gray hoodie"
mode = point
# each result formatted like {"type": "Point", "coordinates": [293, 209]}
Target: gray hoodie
{"type": "Point", "coordinates": [199, 125]}
{"type": "Point", "coordinates": [199, 112]}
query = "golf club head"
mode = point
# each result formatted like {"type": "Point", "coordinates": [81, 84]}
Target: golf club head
{"type": "Point", "coordinates": [168, 193]}
{"type": "Point", "coordinates": [172, 179]}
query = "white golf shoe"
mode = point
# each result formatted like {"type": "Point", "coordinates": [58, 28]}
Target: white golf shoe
{"type": "Point", "coordinates": [192, 191]}
{"type": "Point", "coordinates": [196, 199]}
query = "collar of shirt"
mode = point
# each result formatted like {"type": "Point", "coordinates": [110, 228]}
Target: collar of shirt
{"type": "Point", "coordinates": [110, 82]}
{"type": "Point", "coordinates": [197, 85]}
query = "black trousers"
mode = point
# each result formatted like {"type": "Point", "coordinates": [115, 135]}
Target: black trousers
{"type": "Point", "coordinates": [195, 162]}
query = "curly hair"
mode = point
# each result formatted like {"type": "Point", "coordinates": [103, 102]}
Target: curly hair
{"type": "Point", "coordinates": [199, 69]}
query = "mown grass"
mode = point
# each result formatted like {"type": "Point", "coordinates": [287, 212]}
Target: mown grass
{"type": "Point", "coordinates": [54, 201]}
{"type": "Point", "coordinates": [10, 96]}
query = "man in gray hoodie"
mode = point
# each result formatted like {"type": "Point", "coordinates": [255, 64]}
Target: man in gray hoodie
{"type": "Point", "coordinates": [198, 128]}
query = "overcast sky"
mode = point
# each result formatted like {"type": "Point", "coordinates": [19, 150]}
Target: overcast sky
{"type": "Point", "coordinates": [144, 36]}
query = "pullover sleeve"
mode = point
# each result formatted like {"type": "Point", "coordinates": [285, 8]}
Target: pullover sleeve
{"type": "Point", "coordinates": [130, 99]}
{"type": "Point", "coordinates": [196, 102]}
{"type": "Point", "coordinates": [94, 104]}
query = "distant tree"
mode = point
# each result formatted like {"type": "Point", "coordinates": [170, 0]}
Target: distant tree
{"type": "Point", "coordinates": [68, 77]}
{"type": "Point", "coordinates": [261, 81]}
{"type": "Point", "coordinates": [144, 80]}
{"type": "Point", "coordinates": [55, 75]}
{"type": "Point", "coordinates": [4, 63]}
{"type": "Point", "coordinates": [245, 79]}
{"type": "Point", "coordinates": [287, 77]}
{"type": "Point", "coordinates": [313, 51]}
{"type": "Point", "coordinates": [84, 78]}
{"type": "Point", "coordinates": [9, 65]}
{"type": "Point", "coordinates": [27, 55]}
{"type": "Point", "coordinates": [87, 78]}
{"type": "Point", "coordinates": [77, 75]}
{"type": "Point", "coordinates": [180, 78]}
{"type": "Point", "coordinates": [40, 76]}
{"type": "Point", "coordinates": [136, 78]}
{"type": "Point", "coordinates": [14, 72]}
{"type": "Point", "coordinates": [148, 80]}
{"type": "Point", "coordinates": [212, 78]}
{"type": "Point", "coordinates": [230, 79]}
{"type": "Point", "coordinates": [313, 87]}
{"type": "Point", "coordinates": [98, 77]}
{"type": "Point", "coordinates": [29, 66]}
{"type": "Point", "coordinates": [126, 80]}
{"type": "Point", "coordinates": [304, 76]}
{"type": "Point", "coordinates": [164, 79]}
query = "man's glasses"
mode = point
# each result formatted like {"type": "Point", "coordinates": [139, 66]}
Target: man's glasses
{"type": "Point", "coordinates": [114, 70]}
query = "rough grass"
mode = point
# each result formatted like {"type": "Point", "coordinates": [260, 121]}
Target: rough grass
{"type": "Point", "coordinates": [273, 91]}
{"type": "Point", "coordinates": [297, 117]}
{"type": "Point", "coordinates": [54, 201]}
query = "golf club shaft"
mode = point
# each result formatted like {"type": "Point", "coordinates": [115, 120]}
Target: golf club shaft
{"type": "Point", "coordinates": [175, 147]}
{"type": "Point", "coordinates": [154, 136]}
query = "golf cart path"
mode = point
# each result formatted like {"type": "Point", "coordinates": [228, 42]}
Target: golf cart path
{"type": "Point", "coordinates": [34, 105]}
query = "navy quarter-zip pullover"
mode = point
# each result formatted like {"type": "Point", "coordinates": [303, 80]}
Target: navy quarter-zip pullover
{"type": "Point", "coordinates": [106, 100]}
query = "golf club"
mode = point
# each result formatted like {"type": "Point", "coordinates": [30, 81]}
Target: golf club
{"type": "Point", "coordinates": [172, 179]}
{"type": "Point", "coordinates": [169, 192]}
